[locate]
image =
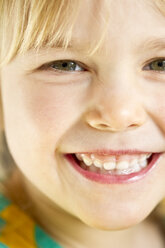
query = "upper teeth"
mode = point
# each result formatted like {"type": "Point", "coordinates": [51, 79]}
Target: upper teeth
{"type": "Point", "coordinates": [138, 161]}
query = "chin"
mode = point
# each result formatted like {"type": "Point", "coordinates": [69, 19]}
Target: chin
{"type": "Point", "coordinates": [111, 226]}
{"type": "Point", "coordinates": [112, 222]}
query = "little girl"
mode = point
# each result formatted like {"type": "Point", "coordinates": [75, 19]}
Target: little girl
{"type": "Point", "coordinates": [82, 86]}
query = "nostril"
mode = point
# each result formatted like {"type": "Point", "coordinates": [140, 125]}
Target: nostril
{"type": "Point", "coordinates": [133, 126]}
{"type": "Point", "coordinates": [102, 126]}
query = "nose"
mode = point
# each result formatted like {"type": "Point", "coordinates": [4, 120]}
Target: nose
{"type": "Point", "coordinates": [116, 112]}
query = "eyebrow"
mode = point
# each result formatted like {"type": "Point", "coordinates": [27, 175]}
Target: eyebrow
{"type": "Point", "coordinates": [76, 45]}
{"type": "Point", "coordinates": [150, 43]}
{"type": "Point", "coordinates": [153, 43]}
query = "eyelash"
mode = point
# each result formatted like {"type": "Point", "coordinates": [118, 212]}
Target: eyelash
{"type": "Point", "coordinates": [63, 62]}
{"type": "Point", "coordinates": [159, 60]}
{"type": "Point", "coordinates": [83, 67]}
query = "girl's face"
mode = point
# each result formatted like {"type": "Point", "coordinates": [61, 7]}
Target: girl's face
{"type": "Point", "coordinates": [48, 113]}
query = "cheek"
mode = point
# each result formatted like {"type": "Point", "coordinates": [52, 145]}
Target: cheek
{"type": "Point", "coordinates": [154, 102]}
{"type": "Point", "coordinates": [36, 117]}
{"type": "Point", "coordinates": [158, 111]}
{"type": "Point", "coordinates": [37, 114]}
{"type": "Point", "coordinates": [55, 108]}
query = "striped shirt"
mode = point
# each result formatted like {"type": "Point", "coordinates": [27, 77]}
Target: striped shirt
{"type": "Point", "coordinates": [18, 230]}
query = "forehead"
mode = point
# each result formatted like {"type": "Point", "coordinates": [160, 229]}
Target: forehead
{"type": "Point", "coordinates": [122, 20]}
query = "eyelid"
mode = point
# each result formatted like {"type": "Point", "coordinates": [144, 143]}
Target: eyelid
{"type": "Point", "coordinates": [47, 66]}
{"type": "Point", "coordinates": [153, 60]}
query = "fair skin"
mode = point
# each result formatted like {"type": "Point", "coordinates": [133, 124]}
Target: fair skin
{"type": "Point", "coordinates": [47, 114]}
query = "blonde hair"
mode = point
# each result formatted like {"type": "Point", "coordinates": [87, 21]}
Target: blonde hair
{"type": "Point", "coordinates": [32, 24]}
{"type": "Point", "coordinates": [36, 24]}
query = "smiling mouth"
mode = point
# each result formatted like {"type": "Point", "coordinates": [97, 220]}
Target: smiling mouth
{"type": "Point", "coordinates": [113, 165]}
{"type": "Point", "coordinates": [109, 172]}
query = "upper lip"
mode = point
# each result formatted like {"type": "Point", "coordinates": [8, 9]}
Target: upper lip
{"type": "Point", "coordinates": [116, 152]}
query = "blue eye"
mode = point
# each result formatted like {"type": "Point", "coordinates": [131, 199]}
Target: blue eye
{"type": "Point", "coordinates": [64, 65]}
{"type": "Point", "coordinates": [156, 65]}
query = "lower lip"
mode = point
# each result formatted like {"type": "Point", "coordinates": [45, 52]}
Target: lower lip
{"type": "Point", "coordinates": [114, 179]}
